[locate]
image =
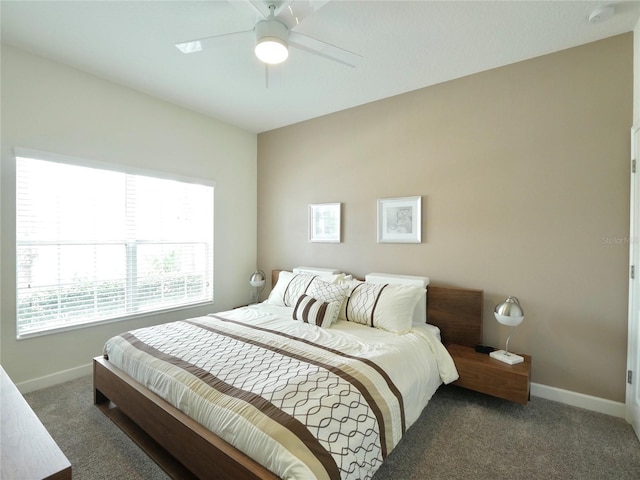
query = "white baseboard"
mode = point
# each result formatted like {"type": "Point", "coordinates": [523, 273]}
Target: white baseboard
{"type": "Point", "coordinates": [55, 378]}
{"type": "Point", "coordinates": [596, 404]}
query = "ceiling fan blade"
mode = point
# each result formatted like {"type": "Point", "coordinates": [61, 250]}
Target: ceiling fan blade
{"type": "Point", "coordinates": [318, 47]}
{"type": "Point", "coordinates": [292, 12]}
{"type": "Point", "coordinates": [199, 44]}
{"type": "Point", "coordinates": [259, 8]}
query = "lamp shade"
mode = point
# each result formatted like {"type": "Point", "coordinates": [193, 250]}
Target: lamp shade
{"type": "Point", "coordinates": [271, 50]}
{"type": "Point", "coordinates": [271, 41]}
{"type": "Point", "coordinates": [509, 312]}
{"type": "Point", "coordinates": [257, 279]}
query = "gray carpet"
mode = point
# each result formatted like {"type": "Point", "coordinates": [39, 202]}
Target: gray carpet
{"type": "Point", "coordinates": [460, 435]}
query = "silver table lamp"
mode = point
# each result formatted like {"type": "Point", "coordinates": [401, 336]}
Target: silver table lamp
{"type": "Point", "coordinates": [257, 282]}
{"type": "Point", "coordinates": [508, 313]}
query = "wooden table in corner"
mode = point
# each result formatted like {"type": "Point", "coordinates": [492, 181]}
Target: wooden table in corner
{"type": "Point", "coordinates": [27, 451]}
{"type": "Point", "coordinates": [480, 372]}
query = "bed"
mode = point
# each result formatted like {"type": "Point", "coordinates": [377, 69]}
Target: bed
{"type": "Point", "coordinates": [335, 359]}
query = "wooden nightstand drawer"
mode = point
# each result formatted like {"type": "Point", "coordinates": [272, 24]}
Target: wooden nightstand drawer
{"type": "Point", "coordinates": [484, 374]}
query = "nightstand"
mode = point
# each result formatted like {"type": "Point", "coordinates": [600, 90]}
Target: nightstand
{"type": "Point", "coordinates": [484, 374]}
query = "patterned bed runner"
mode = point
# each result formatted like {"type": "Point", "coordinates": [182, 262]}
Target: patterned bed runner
{"type": "Point", "coordinates": [338, 414]}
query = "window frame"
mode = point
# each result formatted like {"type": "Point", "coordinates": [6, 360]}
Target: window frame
{"type": "Point", "coordinates": [123, 169]}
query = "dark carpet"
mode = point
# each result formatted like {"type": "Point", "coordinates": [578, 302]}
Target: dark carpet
{"type": "Point", "coordinates": [460, 435]}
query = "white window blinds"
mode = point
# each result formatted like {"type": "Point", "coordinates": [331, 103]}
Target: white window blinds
{"type": "Point", "coordinates": [95, 244]}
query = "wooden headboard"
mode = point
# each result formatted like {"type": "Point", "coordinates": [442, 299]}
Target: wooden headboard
{"type": "Point", "coordinates": [456, 311]}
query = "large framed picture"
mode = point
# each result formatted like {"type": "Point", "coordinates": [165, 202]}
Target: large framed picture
{"type": "Point", "coordinates": [324, 222]}
{"type": "Point", "coordinates": [400, 220]}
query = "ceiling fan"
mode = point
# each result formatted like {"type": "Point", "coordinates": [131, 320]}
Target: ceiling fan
{"type": "Point", "coordinates": [273, 33]}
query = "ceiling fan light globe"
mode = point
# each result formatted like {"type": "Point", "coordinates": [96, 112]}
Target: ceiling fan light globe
{"type": "Point", "coordinates": [271, 41]}
{"type": "Point", "coordinates": [271, 50]}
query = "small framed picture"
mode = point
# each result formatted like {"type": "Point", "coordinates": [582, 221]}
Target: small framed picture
{"type": "Point", "coordinates": [400, 220]}
{"type": "Point", "coordinates": [324, 222]}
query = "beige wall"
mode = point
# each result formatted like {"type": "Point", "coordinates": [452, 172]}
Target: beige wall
{"type": "Point", "coordinates": [47, 106]}
{"type": "Point", "coordinates": [524, 176]}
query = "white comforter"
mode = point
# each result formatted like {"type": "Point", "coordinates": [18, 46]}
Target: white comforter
{"type": "Point", "coordinates": [414, 365]}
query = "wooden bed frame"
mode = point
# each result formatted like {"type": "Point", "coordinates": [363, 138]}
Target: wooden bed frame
{"type": "Point", "coordinates": [185, 449]}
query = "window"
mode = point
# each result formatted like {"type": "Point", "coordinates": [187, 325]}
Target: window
{"type": "Point", "coordinates": [96, 244]}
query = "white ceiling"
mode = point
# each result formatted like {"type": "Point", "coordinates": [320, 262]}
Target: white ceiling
{"type": "Point", "coordinates": [405, 45]}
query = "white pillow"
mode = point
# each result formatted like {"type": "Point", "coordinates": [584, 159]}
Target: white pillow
{"type": "Point", "coordinates": [420, 312]}
{"type": "Point", "coordinates": [291, 285]}
{"type": "Point", "coordinates": [316, 270]}
{"type": "Point", "coordinates": [328, 292]}
{"type": "Point", "coordinates": [384, 306]}
{"type": "Point", "coordinates": [351, 284]}
{"type": "Point", "coordinates": [314, 311]}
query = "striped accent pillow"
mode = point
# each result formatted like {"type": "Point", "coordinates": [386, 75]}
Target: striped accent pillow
{"type": "Point", "coordinates": [314, 311]}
